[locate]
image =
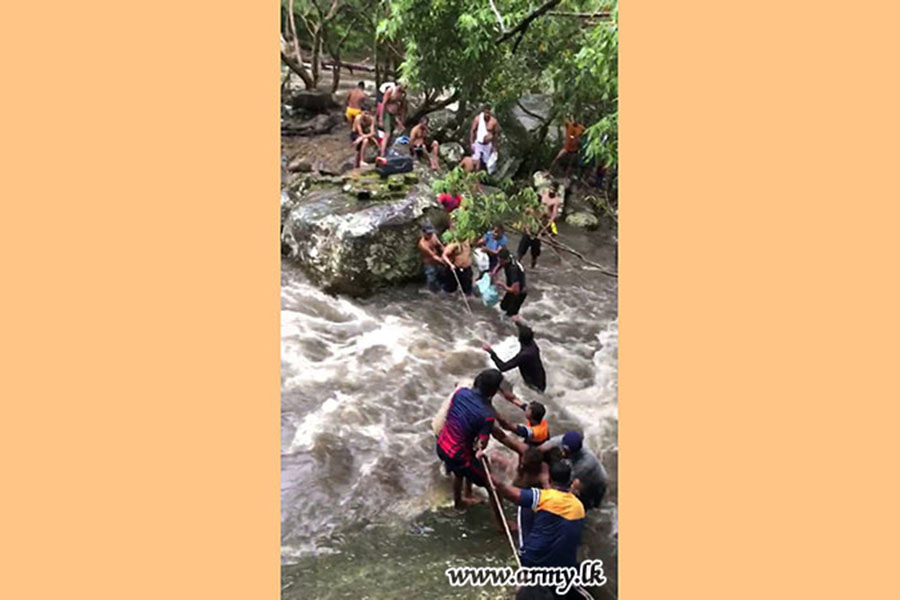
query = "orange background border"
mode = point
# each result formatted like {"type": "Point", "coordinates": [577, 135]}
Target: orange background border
{"type": "Point", "coordinates": [140, 384]}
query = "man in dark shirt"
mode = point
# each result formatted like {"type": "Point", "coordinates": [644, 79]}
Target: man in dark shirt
{"type": "Point", "coordinates": [590, 478]}
{"type": "Point", "coordinates": [466, 431]}
{"type": "Point", "coordinates": [514, 286]}
{"type": "Point", "coordinates": [528, 360]}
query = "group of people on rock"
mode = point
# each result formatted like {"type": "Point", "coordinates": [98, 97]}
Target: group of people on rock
{"type": "Point", "coordinates": [378, 127]}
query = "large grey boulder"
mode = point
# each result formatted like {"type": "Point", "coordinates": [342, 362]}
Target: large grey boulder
{"type": "Point", "coordinates": [313, 101]}
{"type": "Point", "coordinates": [355, 247]}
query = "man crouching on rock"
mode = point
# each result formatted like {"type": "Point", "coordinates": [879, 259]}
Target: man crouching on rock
{"type": "Point", "coordinates": [359, 137]}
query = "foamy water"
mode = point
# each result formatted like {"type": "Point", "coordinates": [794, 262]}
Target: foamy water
{"type": "Point", "coordinates": [362, 379]}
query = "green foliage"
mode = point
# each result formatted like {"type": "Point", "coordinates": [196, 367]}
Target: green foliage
{"type": "Point", "coordinates": [478, 212]}
{"type": "Point", "coordinates": [451, 46]}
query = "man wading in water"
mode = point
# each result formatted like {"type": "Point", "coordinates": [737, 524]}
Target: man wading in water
{"type": "Point", "coordinates": [514, 286]}
{"type": "Point", "coordinates": [528, 360]}
{"type": "Point", "coordinates": [465, 434]}
{"type": "Point", "coordinates": [431, 249]}
{"type": "Point", "coordinates": [589, 477]}
{"type": "Point", "coordinates": [458, 256]}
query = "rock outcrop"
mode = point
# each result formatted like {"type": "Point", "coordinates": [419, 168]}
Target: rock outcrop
{"type": "Point", "coordinates": [359, 236]}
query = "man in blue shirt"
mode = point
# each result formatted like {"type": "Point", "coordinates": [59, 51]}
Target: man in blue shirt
{"type": "Point", "coordinates": [555, 532]}
{"type": "Point", "coordinates": [466, 430]}
{"type": "Point", "coordinates": [493, 241]}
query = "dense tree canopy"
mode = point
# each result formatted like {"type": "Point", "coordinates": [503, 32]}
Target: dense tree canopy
{"type": "Point", "coordinates": [474, 51]}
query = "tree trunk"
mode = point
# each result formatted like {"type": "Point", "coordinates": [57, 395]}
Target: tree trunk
{"type": "Point", "coordinates": [336, 74]}
{"type": "Point", "coordinates": [317, 45]}
{"type": "Point", "coordinates": [299, 69]}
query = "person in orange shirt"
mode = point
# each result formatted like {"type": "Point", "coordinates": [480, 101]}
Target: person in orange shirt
{"type": "Point", "coordinates": [570, 143]}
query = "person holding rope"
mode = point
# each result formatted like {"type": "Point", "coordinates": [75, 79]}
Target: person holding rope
{"type": "Point", "coordinates": [431, 249]}
{"type": "Point", "coordinates": [458, 256]}
{"type": "Point", "coordinates": [465, 434]}
{"type": "Point", "coordinates": [555, 533]}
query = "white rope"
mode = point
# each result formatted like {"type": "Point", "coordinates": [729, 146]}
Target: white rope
{"type": "Point", "coordinates": [509, 537]}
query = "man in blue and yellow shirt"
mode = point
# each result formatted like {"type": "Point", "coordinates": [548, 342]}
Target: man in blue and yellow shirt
{"type": "Point", "coordinates": [555, 533]}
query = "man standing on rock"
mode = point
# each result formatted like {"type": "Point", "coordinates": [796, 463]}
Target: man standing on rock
{"type": "Point", "coordinates": [355, 100]}
{"type": "Point", "coordinates": [418, 143]}
{"type": "Point", "coordinates": [394, 112]}
{"type": "Point", "coordinates": [483, 136]}
{"type": "Point", "coordinates": [432, 250]}
{"type": "Point", "coordinates": [360, 138]}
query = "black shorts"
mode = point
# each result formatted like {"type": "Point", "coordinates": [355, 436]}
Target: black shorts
{"type": "Point", "coordinates": [511, 303]}
{"type": "Point", "coordinates": [470, 468]}
{"type": "Point", "coordinates": [418, 150]}
{"type": "Point", "coordinates": [465, 280]}
{"type": "Point", "coordinates": [529, 242]}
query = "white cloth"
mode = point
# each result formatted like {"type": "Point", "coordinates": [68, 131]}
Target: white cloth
{"type": "Point", "coordinates": [437, 423]}
{"type": "Point", "coordinates": [482, 129]}
{"type": "Point", "coordinates": [482, 152]}
{"type": "Point", "coordinates": [387, 85]}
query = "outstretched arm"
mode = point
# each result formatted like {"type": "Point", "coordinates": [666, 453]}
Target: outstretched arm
{"type": "Point", "coordinates": [504, 365]}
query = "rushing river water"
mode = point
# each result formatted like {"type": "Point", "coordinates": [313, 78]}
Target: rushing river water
{"type": "Point", "coordinates": [366, 510]}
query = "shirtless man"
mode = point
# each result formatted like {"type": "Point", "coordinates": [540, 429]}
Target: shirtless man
{"type": "Point", "coordinates": [484, 136]}
{"type": "Point", "coordinates": [546, 216]}
{"type": "Point", "coordinates": [418, 143]}
{"type": "Point", "coordinates": [355, 100]}
{"type": "Point", "coordinates": [394, 112]}
{"type": "Point", "coordinates": [431, 249]}
{"type": "Point", "coordinates": [570, 144]}
{"type": "Point", "coordinates": [459, 256]}
{"type": "Point", "coordinates": [468, 164]}
{"type": "Point", "coordinates": [362, 133]}
{"type": "Point", "coordinates": [551, 202]}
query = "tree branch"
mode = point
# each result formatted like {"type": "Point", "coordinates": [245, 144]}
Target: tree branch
{"type": "Point", "coordinates": [428, 107]}
{"type": "Point", "coordinates": [499, 17]}
{"type": "Point", "coordinates": [522, 27]}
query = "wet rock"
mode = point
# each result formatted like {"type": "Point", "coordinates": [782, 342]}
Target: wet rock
{"type": "Point", "coordinates": [583, 219]}
{"type": "Point", "coordinates": [313, 101]}
{"type": "Point", "coordinates": [410, 178]}
{"type": "Point", "coordinates": [451, 153]}
{"type": "Point", "coordinates": [507, 165]}
{"type": "Point", "coordinates": [298, 164]}
{"type": "Point", "coordinates": [318, 125]}
{"type": "Point", "coordinates": [352, 247]}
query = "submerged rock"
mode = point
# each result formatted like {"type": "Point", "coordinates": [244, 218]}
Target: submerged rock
{"type": "Point", "coordinates": [355, 247]}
